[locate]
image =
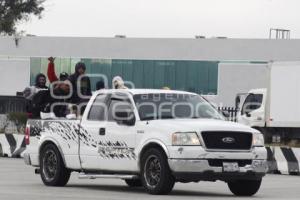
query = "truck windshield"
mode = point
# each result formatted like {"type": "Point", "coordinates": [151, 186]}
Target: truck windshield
{"type": "Point", "coordinates": [170, 106]}
{"type": "Point", "coordinates": [252, 102]}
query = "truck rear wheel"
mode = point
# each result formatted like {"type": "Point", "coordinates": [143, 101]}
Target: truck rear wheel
{"type": "Point", "coordinates": [244, 187]}
{"type": "Point", "coordinates": [53, 171]}
{"type": "Point", "coordinates": [156, 175]}
{"type": "Point", "coordinates": [133, 182]}
{"type": "Point", "coordinates": [1, 151]}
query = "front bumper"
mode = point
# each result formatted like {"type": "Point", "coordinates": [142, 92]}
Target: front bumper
{"type": "Point", "coordinates": [196, 170]}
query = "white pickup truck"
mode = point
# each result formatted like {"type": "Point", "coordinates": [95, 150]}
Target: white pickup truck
{"type": "Point", "coordinates": [149, 138]}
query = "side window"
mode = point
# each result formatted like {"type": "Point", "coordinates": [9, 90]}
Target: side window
{"type": "Point", "coordinates": [98, 110]}
{"type": "Point", "coordinates": [119, 105]}
{"type": "Point", "coordinates": [252, 102]}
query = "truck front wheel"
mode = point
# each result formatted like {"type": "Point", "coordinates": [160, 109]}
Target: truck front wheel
{"type": "Point", "coordinates": [156, 175]}
{"type": "Point", "coordinates": [53, 171]}
{"type": "Point", "coordinates": [244, 187]}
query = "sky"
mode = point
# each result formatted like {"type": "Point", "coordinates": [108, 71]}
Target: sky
{"type": "Point", "coordinates": [165, 18]}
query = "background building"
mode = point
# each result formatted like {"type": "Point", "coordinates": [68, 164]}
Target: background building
{"type": "Point", "coordinates": [219, 68]}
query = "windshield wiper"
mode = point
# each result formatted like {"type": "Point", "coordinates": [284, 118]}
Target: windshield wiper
{"type": "Point", "coordinates": [158, 117]}
{"type": "Point", "coordinates": [148, 118]}
{"type": "Point", "coordinates": [166, 117]}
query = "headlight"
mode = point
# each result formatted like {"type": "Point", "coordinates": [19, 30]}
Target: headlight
{"type": "Point", "coordinates": [258, 140]}
{"type": "Point", "coordinates": [185, 139]}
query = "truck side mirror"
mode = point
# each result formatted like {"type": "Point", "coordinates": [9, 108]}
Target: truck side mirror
{"type": "Point", "coordinates": [126, 118]}
{"type": "Point", "coordinates": [248, 114]}
{"type": "Point", "coordinates": [237, 101]}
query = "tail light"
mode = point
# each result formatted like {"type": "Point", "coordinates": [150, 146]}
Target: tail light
{"type": "Point", "coordinates": [27, 135]}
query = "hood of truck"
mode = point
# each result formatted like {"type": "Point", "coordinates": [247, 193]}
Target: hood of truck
{"type": "Point", "coordinates": [197, 125]}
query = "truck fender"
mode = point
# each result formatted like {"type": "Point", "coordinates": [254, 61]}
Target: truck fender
{"type": "Point", "coordinates": [55, 142]}
{"type": "Point", "coordinates": [146, 144]}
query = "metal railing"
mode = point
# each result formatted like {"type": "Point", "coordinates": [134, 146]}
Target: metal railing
{"type": "Point", "coordinates": [10, 104]}
{"type": "Point", "coordinates": [229, 112]}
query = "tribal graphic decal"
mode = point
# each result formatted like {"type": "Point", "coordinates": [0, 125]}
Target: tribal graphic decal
{"type": "Point", "coordinates": [35, 127]}
{"type": "Point", "coordinates": [116, 150]}
{"type": "Point", "coordinates": [69, 131]}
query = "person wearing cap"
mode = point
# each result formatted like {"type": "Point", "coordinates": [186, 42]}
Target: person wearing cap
{"type": "Point", "coordinates": [61, 88]}
{"type": "Point", "coordinates": [100, 85]}
{"type": "Point", "coordinates": [51, 72]}
{"type": "Point", "coordinates": [78, 79]}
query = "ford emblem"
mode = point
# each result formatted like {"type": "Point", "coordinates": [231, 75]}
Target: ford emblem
{"type": "Point", "coordinates": [228, 140]}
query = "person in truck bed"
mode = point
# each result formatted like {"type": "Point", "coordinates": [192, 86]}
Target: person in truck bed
{"type": "Point", "coordinates": [81, 86]}
{"type": "Point", "coordinates": [51, 72]}
{"type": "Point", "coordinates": [60, 87]}
{"type": "Point", "coordinates": [118, 83]}
{"type": "Point", "coordinates": [34, 96]}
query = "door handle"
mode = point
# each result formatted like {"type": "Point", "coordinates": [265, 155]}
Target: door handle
{"type": "Point", "coordinates": [102, 131]}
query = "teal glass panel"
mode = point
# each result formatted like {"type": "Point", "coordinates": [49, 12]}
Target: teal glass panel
{"type": "Point", "coordinates": [194, 76]}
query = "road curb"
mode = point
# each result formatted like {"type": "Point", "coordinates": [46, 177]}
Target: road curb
{"type": "Point", "coordinates": [284, 160]}
{"type": "Point", "coordinates": [12, 145]}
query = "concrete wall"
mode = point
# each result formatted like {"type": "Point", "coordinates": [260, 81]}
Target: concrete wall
{"type": "Point", "coordinates": [149, 48]}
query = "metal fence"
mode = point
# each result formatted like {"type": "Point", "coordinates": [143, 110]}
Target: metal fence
{"type": "Point", "coordinates": [229, 112]}
{"type": "Point", "coordinates": [12, 104]}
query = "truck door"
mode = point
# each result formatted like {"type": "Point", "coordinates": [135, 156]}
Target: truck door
{"type": "Point", "coordinates": [92, 131]}
{"type": "Point", "coordinates": [118, 145]}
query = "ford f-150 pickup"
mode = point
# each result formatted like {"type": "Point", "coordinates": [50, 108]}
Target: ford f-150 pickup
{"type": "Point", "coordinates": [149, 138]}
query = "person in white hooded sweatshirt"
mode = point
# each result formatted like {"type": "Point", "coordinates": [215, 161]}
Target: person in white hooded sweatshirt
{"type": "Point", "coordinates": [118, 83]}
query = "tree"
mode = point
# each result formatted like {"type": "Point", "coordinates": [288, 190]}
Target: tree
{"type": "Point", "coordinates": [3, 124]}
{"type": "Point", "coordinates": [14, 11]}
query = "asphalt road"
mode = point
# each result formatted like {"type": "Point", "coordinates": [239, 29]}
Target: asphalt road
{"type": "Point", "coordinates": [18, 182]}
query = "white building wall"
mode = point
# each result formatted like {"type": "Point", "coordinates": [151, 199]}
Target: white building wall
{"type": "Point", "coordinates": [233, 78]}
{"type": "Point", "coordinates": [14, 75]}
{"type": "Point", "coordinates": [150, 48]}
{"type": "Point", "coordinates": [237, 78]}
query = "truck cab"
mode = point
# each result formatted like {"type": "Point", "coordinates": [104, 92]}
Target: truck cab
{"type": "Point", "coordinates": [251, 107]}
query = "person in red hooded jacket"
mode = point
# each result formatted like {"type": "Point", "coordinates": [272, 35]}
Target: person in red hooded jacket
{"type": "Point", "coordinates": [59, 89]}
{"type": "Point", "coordinates": [51, 72]}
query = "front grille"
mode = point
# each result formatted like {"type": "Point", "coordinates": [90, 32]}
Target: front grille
{"type": "Point", "coordinates": [227, 140]}
{"type": "Point", "coordinates": [219, 162]}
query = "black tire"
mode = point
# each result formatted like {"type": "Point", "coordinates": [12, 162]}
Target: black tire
{"type": "Point", "coordinates": [156, 175]}
{"type": "Point", "coordinates": [244, 187]}
{"type": "Point", "coordinates": [53, 171]}
{"type": "Point", "coordinates": [133, 182]}
{"type": "Point", "coordinates": [1, 151]}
